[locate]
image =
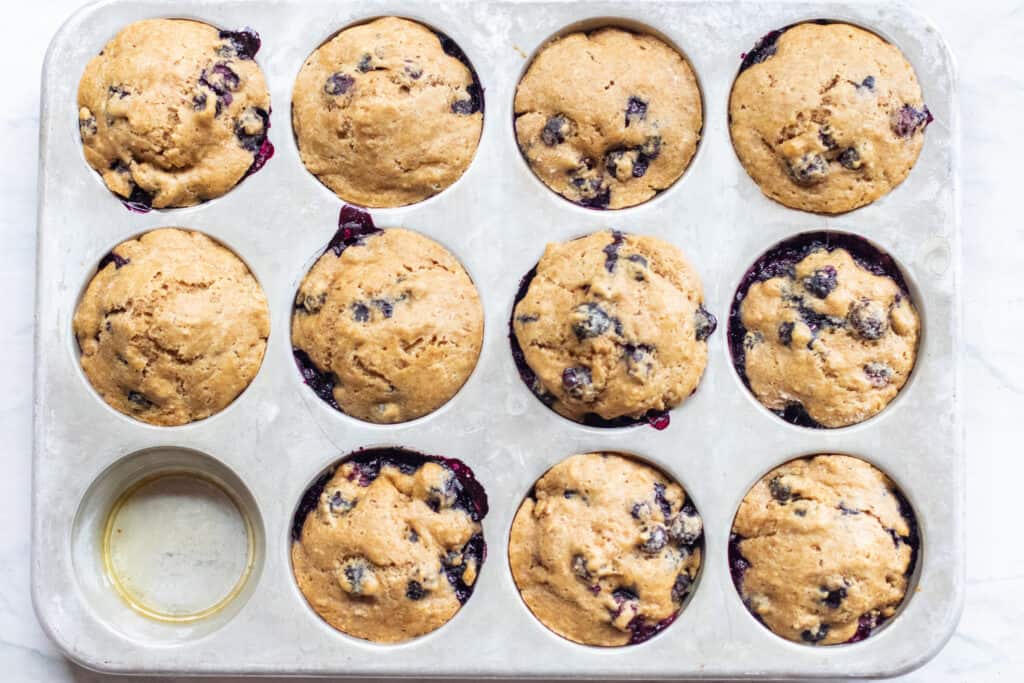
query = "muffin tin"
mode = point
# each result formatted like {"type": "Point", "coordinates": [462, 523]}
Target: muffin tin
{"type": "Point", "coordinates": [265, 449]}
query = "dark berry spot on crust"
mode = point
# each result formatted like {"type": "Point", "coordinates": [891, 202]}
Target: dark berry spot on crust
{"type": "Point", "coordinates": [662, 501]}
{"type": "Point", "coordinates": [414, 590]}
{"type": "Point", "coordinates": [651, 147]}
{"type": "Point", "coordinates": [475, 90]}
{"type": "Point", "coordinates": [869, 319]}
{"type": "Point", "coordinates": [611, 251]}
{"type": "Point", "coordinates": [865, 625]}
{"type": "Point", "coordinates": [909, 120]}
{"type": "Point", "coordinates": [738, 564]}
{"type": "Point", "coordinates": [762, 50]}
{"type": "Point", "coordinates": [555, 130]}
{"type": "Point", "coordinates": [879, 374]}
{"type": "Point", "coordinates": [868, 83]}
{"type": "Point", "coordinates": [355, 572]}
{"type": "Point", "coordinates": [590, 320]}
{"type": "Point", "coordinates": [360, 312]}
{"type": "Point", "coordinates": [786, 333]}
{"type": "Point", "coordinates": [413, 70]}
{"type": "Point", "coordinates": [365, 63]}
{"type": "Point", "coordinates": [87, 126]}
{"type": "Point", "coordinates": [118, 91]}
{"type": "Point", "coordinates": [527, 319]}
{"type": "Point", "coordinates": [140, 401]}
{"type": "Point", "coordinates": [579, 567]}
{"type": "Point", "coordinates": [385, 307]}
{"type": "Point", "coordinates": [624, 595]}
{"type": "Point", "coordinates": [849, 159]}
{"type": "Point", "coordinates": [251, 128]}
{"type": "Point", "coordinates": [705, 323]}
{"type": "Point", "coordinates": [808, 169]}
{"type": "Point", "coordinates": [112, 257]}
{"type": "Point", "coordinates": [338, 84]}
{"type": "Point", "coordinates": [472, 104]}
{"type": "Point", "coordinates": [825, 135]}
{"type": "Point", "coordinates": [139, 200]}
{"type": "Point", "coordinates": [681, 588]}
{"type": "Point", "coordinates": [475, 552]}
{"type": "Point", "coordinates": [821, 282]}
{"type": "Point", "coordinates": [780, 492]}
{"type": "Point", "coordinates": [596, 195]}
{"type": "Point", "coordinates": [338, 504]}
{"type": "Point", "coordinates": [577, 382]}
{"type": "Point", "coordinates": [686, 528]}
{"type": "Point", "coordinates": [833, 598]}
{"type": "Point", "coordinates": [636, 110]}
{"type": "Point", "coordinates": [243, 44]}
{"type": "Point", "coordinates": [354, 226]}
{"type": "Point", "coordinates": [322, 383]}
{"type": "Point", "coordinates": [199, 102]}
{"type": "Point", "coordinates": [818, 635]}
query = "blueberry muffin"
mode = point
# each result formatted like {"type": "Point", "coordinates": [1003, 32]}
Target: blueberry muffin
{"type": "Point", "coordinates": [172, 328]}
{"type": "Point", "coordinates": [605, 549]}
{"type": "Point", "coordinates": [608, 119]}
{"type": "Point", "coordinates": [174, 112]}
{"type": "Point", "coordinates": [826, 117]}
{"type": "Point", "coordinates": [387, 324]}
{"type": "Point", "coordinates": [823, 330]}
{"type": "Point", "coordinates": [387, 113]}
{"type": "Point", "coordinates": [822, 549]}
{"type": "Point", "coordinates": [388, 546]}
{"type": "Point", "coordinates": [610, 329]}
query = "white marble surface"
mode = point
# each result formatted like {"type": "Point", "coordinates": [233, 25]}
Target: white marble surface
{"type": "Point", "coordinates": [983, 36]}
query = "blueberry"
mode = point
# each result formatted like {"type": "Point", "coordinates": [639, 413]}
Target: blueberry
{"type": "Point", "coordinates": [654, 540]}
{"type": "Point", "coordinates": [578, 382]}
{"type": "Point", "coordinates": [825, 135]}
{"type": "Point", "coordinates": [593, 192]}
{"type": "Point", "coordinates": [662, 501]}
{"type": "Point", "coordinates": [833, 598]}
{"type": "Point", "coordinates": [849, 158]}
{"type": "Point", "coordinates": [821, 282]}
{"type": "Point", "coordinates": [809, 169]}
{"type": "Point", "coordinates": [339, 504]}
{"type": "Point", "coordinates": [222, 81]}
{"type": "Point", "coordinates": [365, 64]}
{"type": "Point", "coordinates": [112, 257]}
{"type": "Point", "coordinates": [847, 510]}
{"type": "Point", "coordinates": [579, 567]}
{"type": "Point", "coordinates": [786, 333]}
{"type": "Point", "coordinates": [569, 494]}
{"type": "Point", "coordinates": [623, 595]}
{"type": "Point", "coordinates": [140, 401]}
{"type": "Point", "coordinates": [780, 492]}
{"type": "Point", "coordinates": [338, 83]}
{"type": "Point", "coordinates": [909, 120]}
{"type": "Point", "coordinates": [251, 129]}
{"type": "Point", "coordinates": [472, 104]}
{"type": "Point", "coordinates": [820, 634]}
{"type": "Point", "coordinates": [640, 510]}
{"type": "Point", "coordinates": [869, 319]}
{"type": "Point", "coordinates": [199, 102]}
{"type": "Point", "coordinates": [355, 575]}
{"type": "Point", "coordinates": [868, 83]}
{"type": "Point", "coordinates": [611, 250]}
{"type": "Point", "coordinates": [360, 312]}
{"type": "Point", "coordinates": [681, 588]}
{"type": "Point", "coordinates": [704, 322]}
{"type": "Point", "coordinates": [590, 320]}
{"type": "Point", "coordinates": [322, 383]}
{"type": "Point", "coordinates": [527, 319]}
{"type": "Point", "coordinates": [242, 44]}
{"type": "Point", "coordinates": [638, 358]}
{"type": "Point", "coordinates": [413, 536]}
{"type": "Point", "coordinates": [413, 70]}
{"type": "Point", "coordinates": [414, 590]}
{"type": "Point", "coordinates": [686, 528]}
{"type": "Point", "coordinates": [386, 308]}
{"type": "Point", "coordinates": [879, 374]}
{"type": "Point", "coordinates": [623, 164]}
{"type": "Point", "coordinates": [752, 339]}
{"type": "Point", "coordinates": [87, 126]}
{"type": "Point", "coordinates": [762, 50]}
{"type": "Point", "coordinates": [354, 226]}
{"type": "Point", "coordinates": [555, 130]}
{"type": "Point", "coordinates": [637, 259]}
{"type": "Point", "coordinates": [119, 91]}
{"type": "Point", "coordinates": [636, 110]}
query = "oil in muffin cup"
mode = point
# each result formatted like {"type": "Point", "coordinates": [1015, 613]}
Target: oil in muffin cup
{"type": "Point", "coordinates": [167, 545]}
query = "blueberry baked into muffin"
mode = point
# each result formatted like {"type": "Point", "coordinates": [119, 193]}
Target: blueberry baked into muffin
{"type": "Point", "coordinates": [174, 112]}
{"type": "Point", "coordinates": [609, 118]}
{"type": "Point", "coordinates": [172, 328]}
{"type": "Point", "coordinates": [387, 324]}
{"type": "Point", "coordinates": [610, 329]}
{"type": "Point", "coordinates": [605, 549]}
{"type": "Point", "coordinates": [823, 330]}
{"type": "Point", "coordinates": [387, 113]}
{"type": "Point", "coordinates": [822, 549]}
{"type": "Point", "coordinates": [388, 546]}
{"type": "Point", "coordinates": [826, 117]}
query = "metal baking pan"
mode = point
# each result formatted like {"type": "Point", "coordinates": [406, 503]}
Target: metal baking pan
{"type": "Point", "coordinates": [270, 444]}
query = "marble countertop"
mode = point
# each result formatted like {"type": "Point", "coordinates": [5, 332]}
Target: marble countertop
{"type": "Point", "coordinates": [986, 646]}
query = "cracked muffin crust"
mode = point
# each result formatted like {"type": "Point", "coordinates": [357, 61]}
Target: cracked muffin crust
{"type": "Point", "coordinates": [822, 549]}
{"type": "Point", "coordinates": [823, 330]}
{"type": "Point", "coordinates": [610, 329]}
{"type": "Point", "coordinates": [387, 113]}
{"type": "Point", "coordinates": [605, 549]}
{"type": "Point", "coordinates": [388, 546]}
{"type": "Point", "coordinates": [826, 117]}
{"type": "Point", "coordinates": [387, 324]}
{"type": "Point", "coordinates": [172, 328]}
{"type": "Point", "coordinates": [174, 112]}
{"type": "Point", "coordinates": [609, 118]}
